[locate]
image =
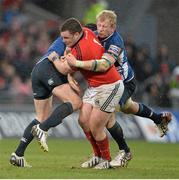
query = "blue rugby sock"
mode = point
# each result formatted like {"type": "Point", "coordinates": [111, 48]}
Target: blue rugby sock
{"type": "Point", "coordinates": [117, 134]}
{"type": "Point", "coordinates": [26, 138]}
{"type": "Point", "coordinates": [57, 116]}
{"type": "Point", "coordinates": [145, 111]}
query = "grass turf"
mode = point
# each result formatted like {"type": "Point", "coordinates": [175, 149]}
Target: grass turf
{"type": "Point", "coordinates": [150, 160]}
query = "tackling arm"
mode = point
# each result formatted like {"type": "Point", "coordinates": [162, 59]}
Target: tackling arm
{"type": "Point", "coordinates": [100, 65]}
{"type": "Point", "coordinates": [60, 63]}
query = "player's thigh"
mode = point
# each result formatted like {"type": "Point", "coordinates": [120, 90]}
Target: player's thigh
{"type": "Point", "coordinates": [43, 108]}
{"type": "Point", "coordinates": [129, 89]}
{"type": "Point", "coordinates": [66, 94]}
{"type": "Point", "coordinates": [108, 95]}
{"type": "Point", "coordinates": [128, 104]}
{"type": "Point", "coordinates": [131, 107]}
{"type": "Point", "coordinates": [97, 123]}
{"type": "Point", "coordinates": [98, 119]}
{"type": "Point", "coordinates": [44, 78]}
{"type": "Point", "coordinates": [111, 121]}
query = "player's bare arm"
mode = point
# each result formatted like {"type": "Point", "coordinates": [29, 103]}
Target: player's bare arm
{"type": "Point", "coordinates": [97, 65]}
{"type": "Point", "coordinates": [60, 63]}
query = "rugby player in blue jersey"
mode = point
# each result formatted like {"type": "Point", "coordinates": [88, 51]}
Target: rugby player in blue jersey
{"type": "Point", "coordinates": [113, 44]}
{"type": "Point", "coordinates": [46, 82]}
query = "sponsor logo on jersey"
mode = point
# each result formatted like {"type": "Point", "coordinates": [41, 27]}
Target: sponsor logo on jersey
{"type": "Point", "coordinates": [114, 50]}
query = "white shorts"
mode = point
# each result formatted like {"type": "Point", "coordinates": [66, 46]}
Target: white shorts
{"type": "Point", "coordinates": [106, 97]}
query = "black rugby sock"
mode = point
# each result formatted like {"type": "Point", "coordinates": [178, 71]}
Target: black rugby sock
{"type": "Point", "coordinates": [57, 116]}
{"type": "Point", "coordinates": [26, 138]}
{"type": "Point", "coordinates": [117, 134]}
{"type": "Point", "coordinates": [144, 111]}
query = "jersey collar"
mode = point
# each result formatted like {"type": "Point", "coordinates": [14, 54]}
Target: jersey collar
{"type": "Point", "coordinates": [82, 34]}
{"type": "Point", "coordinates": [106, 38]}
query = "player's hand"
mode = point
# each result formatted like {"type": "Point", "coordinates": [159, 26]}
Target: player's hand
{"type": "Point", "coordinates": [53, 56]}
{"type": "Point", "coordinates": [63, 58]}
{"type": "Point", "coordinates": [74, 84]}
{"type": "Point", "coordinates": [71, 60]}
{"type": "Point", "coordinates": [67, 50]}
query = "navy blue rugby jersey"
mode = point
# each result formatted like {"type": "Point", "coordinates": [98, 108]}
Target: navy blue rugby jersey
{"type": "Point", "coordinates": [58, 46]}
{"type": "Point", "coordinates": [114, 45]}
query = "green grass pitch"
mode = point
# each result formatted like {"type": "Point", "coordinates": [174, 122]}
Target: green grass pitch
{"type": "Point", "coordinates": [150, 160]}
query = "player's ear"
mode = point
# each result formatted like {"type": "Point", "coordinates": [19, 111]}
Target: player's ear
{"type": "Point", "coordinates": [113, 26]}
{"type": "Point", "coordinates": [77, 34]}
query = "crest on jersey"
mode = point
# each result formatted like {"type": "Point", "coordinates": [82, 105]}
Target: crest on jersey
{"type": "Point", "coordinates": [97, 102]}
{"type": "Point", "coordinates": [50, 81]}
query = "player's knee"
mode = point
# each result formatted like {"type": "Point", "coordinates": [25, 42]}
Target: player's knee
{"type": "Point", "coordinates": [42, 117]}
{"type": "Point", "coordinates": [130, 107]}
{"type": "Point", "coordinates": [111, 122]}
{"type": "Point", "coordinates": [95, 127]}
{"type": "Point", "coordinates": [83, 122]}
{"type": "Point", "coordinates": [98, 133]}
{"type": "Point", "coordinates": [77, 103]}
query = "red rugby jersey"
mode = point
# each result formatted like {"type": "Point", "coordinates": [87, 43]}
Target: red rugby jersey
{"type": "Point", "coordinates": [88, 48]}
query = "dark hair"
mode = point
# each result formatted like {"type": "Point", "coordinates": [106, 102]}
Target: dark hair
{"type": "Point", "coordinates": [91, 26]}
{"type": "Point", "coordinates": [72, 25]}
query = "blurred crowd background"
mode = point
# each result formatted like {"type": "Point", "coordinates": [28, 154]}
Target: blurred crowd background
{"type": "Point", "coordinates": [150, 30]}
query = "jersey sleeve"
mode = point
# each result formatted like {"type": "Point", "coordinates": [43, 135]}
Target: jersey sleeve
{"type": "Point", "coordinates": [116, 46]}
{"type": "Point", "coordinates": [115, 51]}
{"type": "Point", "coordinates": [58, 46]}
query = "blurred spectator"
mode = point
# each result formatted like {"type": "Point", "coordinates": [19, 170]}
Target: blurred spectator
{"type": "Point", "coordinates": [21, 44]}
{"type": "Point", "coordinates": [163, 83]}
{"type": "Point", "coordinates": [164, 57]}
{"type": "Point", "coordinates": [142, 66]}
{"type": "Point", "coordinates": [20, 90]}
{"type": "Point", "coordinates": [12, 10]}
{"type": "Point", "coordinates": [157, 88]}
{"type": "Point", "coordinates": [174, 87]}
{"type": "Point", "coordinates": [131, 50]}
{"type": "Point", "coordinates": [152, 94]}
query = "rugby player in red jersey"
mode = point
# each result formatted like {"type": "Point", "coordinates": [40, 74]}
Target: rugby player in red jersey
{"type": "Point", "coordinates": [104, 88]}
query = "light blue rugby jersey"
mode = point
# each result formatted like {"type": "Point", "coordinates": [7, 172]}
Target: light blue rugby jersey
{"type": "Point", "coordinates": [58, 46]}
{"type": "Point", "coordinates": [113, 44]}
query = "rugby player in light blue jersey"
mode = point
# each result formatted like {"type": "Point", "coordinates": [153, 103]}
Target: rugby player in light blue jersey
{"type": "Point", "coordinates": [114, 44]}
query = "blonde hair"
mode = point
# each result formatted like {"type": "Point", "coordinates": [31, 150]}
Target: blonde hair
{"type": "Point", "coordinates": [107, 14]}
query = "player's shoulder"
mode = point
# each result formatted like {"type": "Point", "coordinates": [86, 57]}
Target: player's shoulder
{"type": "Point", "coordinates": [88, 32]}
{"type": "Point", "coordinates": [116, 39]}
{"type": "Point", "coordinates": [116, 36]}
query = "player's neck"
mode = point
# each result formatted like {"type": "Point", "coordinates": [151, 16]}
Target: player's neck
{"type": "Point", "coordinates": [79, 38]}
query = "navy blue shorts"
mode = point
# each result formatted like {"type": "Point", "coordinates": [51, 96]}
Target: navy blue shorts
{"type": "Point", "coordinates": [129, 89]}
{"type": "Point", "coordinates": [44, 78]}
